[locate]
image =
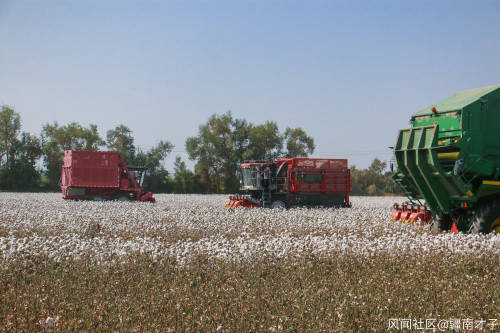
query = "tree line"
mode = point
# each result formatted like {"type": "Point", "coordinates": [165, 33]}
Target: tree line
{"type": "Point", "coordinates": [33, 163]}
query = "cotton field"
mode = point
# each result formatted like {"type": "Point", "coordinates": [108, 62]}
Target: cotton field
{"type": "Point", "coordinates": [183, 227]}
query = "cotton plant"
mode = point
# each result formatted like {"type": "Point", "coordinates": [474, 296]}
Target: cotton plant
{"type": "Point", "coordinates": [184, 227]}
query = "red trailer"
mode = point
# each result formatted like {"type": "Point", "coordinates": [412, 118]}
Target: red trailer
{"type": "Point", "coordinates": [101, 175]}
{"type": "Point", "coordinates": [291, 182]}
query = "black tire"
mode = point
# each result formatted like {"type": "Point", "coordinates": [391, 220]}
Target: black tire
{"type": "Point", "coordinates": [441, 222]}
{"type": "Point", "coordinates": [486, 219]}
{"type": "Point", "coordinates": [278, 204]}
{"type": "Point", "coordinates": [123, 198]}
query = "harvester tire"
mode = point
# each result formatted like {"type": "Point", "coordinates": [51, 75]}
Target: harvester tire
{"type": "Point", "coordinates": [278, 204]}
{"type": "Point", "coordinates": [441, 222]}
{"type": "Point", "coordinates": [123, 198]}
{"type": "Point", "coordinates": [486, 219]}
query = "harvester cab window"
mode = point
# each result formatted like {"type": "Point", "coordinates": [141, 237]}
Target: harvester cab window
{"type": "Point", "coordinates": [248, 176]}
{"type": "Point", "coordinates": [138, 175]}
{"type": "Point", "coordinates": [258, 175]}
{"type": "Point", "coordinates": [267, 173]}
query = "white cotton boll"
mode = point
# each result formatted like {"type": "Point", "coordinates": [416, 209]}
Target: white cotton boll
{"type": "Point", "coordinates": [185, 226]}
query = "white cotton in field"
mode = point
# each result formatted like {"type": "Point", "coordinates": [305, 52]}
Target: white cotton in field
{"type": "Point", "coordinates": [184, 227]}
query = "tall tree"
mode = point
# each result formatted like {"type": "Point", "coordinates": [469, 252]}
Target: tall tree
{"type": "Point", "coordinates": [56, 139]}
{"type": "Point", "coordinates": [157, 177]}
{"type": "Point", "coordinates": [185, 181]}
{"type": "Point", "coordinates": [154, 157]}
{"type": "Point", "coordinates": [10, 125]}
{"type": "Point", "coordinates": [217, 149]}
{"type": "Point", "coordinates": [120, 139]}
{"type": "Point", "coordinates": [21, 173]}
{"type": "Point", "coordinates": [265, 142]}
{"type": "Point", "coordinates": [374, 180]}
{"type": "Point", "coordinates": [19, 153]}
{"type": "Point", "coordinates": [298, 143]}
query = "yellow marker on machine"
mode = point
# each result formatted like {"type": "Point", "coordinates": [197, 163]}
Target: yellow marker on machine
{"type": "Point", "coordinates": [491, 182]}
{"type": "Point", "coordinates": [448, 156]}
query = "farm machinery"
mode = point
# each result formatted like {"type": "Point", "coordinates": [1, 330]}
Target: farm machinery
{"type": "Point", "coordinates": [101, 175]}
{"type": "Point", "coordinates": [450, 158]}
{"type": "Point", "coordinates": [289, 182]}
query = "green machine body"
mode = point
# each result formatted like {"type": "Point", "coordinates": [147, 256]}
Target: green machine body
{"type": "Point", "coordinates": [450, 157]}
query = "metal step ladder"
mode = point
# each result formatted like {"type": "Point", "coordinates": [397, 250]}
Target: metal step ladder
{"type": "Point", "coordinates": [266, 198]}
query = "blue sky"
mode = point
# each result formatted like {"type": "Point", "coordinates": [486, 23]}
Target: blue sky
{"type": "Point", "coordinates": [350, 73]}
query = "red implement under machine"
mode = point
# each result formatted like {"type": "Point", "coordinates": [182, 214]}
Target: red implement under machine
{"type": "Point", "coordinates": [409, 213]}
{"type": "Point", "coordinates": [101, 175]}
{"type": "Point", "coordinates": [289, 182]}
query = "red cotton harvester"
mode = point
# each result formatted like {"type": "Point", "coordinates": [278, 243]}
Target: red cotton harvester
{"type": "Point", "coordinates": [289, 182]}
{"type": "Point", "coordinates": [101, 175]}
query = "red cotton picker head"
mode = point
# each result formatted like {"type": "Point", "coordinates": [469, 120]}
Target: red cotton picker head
{"type": "Point", "coordinates": [411, 214]}
{"type": "Point", "coordinates": [240, 201]}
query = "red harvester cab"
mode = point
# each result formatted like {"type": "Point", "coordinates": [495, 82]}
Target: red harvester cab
{"type": "Point", "coordinates": [291, 182]}
{"type": "Point", "coordinates": [101, 175]}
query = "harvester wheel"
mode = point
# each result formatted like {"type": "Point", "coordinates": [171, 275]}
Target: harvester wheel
{"type": "Point", "coordinates": [278, 204]}
{"type": "Point", "coordinates": [486, 219]}
{"type": "Point", "coordinates": [123, 198]}
{"type": "Point", "coordinates": [441, 222]}
{"type": "Point", "coordinates": [97, 198]}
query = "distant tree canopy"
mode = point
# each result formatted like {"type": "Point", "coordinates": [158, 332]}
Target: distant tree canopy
{"type": "Point", "coordinates": [298, 144]}
{"type": "Point", "coordinates": [223, 142]}
{"type": "Point", "coordinates": [121, 140]}
{"type": "Point", "coordinates": [31, 163]}
{"type": "Point", "coordinates": [19, 152]}
{"type": "Point", "coordinates": [374, 180]}
{"type": "Point", "coordinates": [10, 126]}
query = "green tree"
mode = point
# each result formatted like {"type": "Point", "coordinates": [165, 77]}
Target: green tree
{"type": "Point", "coordinates": [356, 185]}
{"type": "Point", "coordinates": [19, 153]}
{"type": "Point", "coordinates": [374, 180]}
{"type": "Point", "coordinates": [217, 149]}
{"type": "Point", "coordinates": [265, 142]}
{"type": "Point", "coordinates": [157, 154]}
{"type": "Point", "coordinates": [10, 125]}
{"type": "Point", "coordinates": [157, 177]}
{"type": "Point", "coordinates": [185, 181]}
{"type": "Point", "coordinates": [298, 143]}
{"type": "Point", "coordinates": [21, 173]}
{"type": "Point", "coordinates": [120, 139]}
{"type": "Point", "coordinates": [375, 174]}
{"type": "Point", "coordinates": [56, 139]}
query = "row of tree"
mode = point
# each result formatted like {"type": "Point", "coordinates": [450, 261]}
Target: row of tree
{"type": "Point", "coordinates": [374, 180]}
{"type": "Point", "coordinates": [29, 162]}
